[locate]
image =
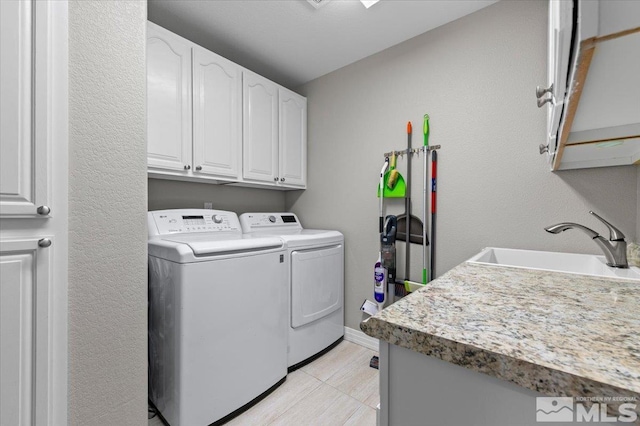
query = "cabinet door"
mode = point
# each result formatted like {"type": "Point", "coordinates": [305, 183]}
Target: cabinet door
{"type": "Point", "coordinates": [293, 139]}
{"type": "Point", "coordinates": [559, 51]}
{"type": "Point", "coordinates": [24, 333]}
{"type": "Point", "coordinates": [23, 140]}
{"type": "Point", "coordinates": [260, 128]}
{"type": "Point", "coordinates": [33, 171]}
{"type": "Point", "coordinates": [217, 115]}
{"type": "Point", "coordinates": [168, 100]}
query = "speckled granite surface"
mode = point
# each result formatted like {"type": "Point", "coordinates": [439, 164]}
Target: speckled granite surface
{"type": "Point", "coordinates": [559, 334]}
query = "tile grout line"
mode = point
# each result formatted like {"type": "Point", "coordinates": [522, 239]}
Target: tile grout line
{"type": "Point", "coordinates": [344, 393]}
{"type": "Point", "coordinates": [346, 365]}
{"type": "Point", "coordinates": [352, 362]}
{"type": "Point", "coordinates": [320, 382]}
{"type": "Point", "coordinates": [354, 413]}
{"type": "Point", "coordinates": [359, 402]}
{"type": "Point", "coordinates": [299, 402]}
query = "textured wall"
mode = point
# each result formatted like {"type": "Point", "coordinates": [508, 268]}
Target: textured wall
{"type": "Point", "coordinates": [107, 214]}
{"type": "Point", "coordinates": [168, 194]}
{"type": "Point", "coordinates": [476, 78]}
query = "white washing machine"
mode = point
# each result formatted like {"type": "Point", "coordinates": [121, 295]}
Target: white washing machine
{"type": "Point", "coordinates": [316, 282]}
{"type": "Point", "coordinates": [217, 315]}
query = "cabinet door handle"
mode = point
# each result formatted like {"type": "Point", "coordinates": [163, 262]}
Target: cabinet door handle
{"type": "Point", "coordinates": [187, 167]}
{"type": "Point", "coordinates": [44, 210]}
{"type": "Point", "coordinates": [198, 168]}
{"type": "Point", "coordinates": [543, 148]}
{"type": "Point", "coordinates": [275, 179]}
{"type": "Point", "coordinates": [540, 91]}
{"type": "Point", "coordinates": [44, 242]}
{"type": "Point", "coordinates": [281, 179]}
{"type": "Point", "coordinates": [541, 102]}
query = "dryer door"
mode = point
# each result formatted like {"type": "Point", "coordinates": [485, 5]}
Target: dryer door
{"type": "Point", "coordinates": [317, 283]}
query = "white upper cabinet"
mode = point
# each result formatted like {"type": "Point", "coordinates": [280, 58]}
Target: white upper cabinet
{"type": "Point", "coordinates": [210, 120]}
{"type": "Point", "coordinates": [559, 51]}
{"type": "Point", "coordinates": [217, 115]}
{"type": "Point", "coordinates": [260, 128]}
{"type": "Point", "coordinates": [594, 65]}
{"type": "Point", "coordinates": [293, 138]}
{"type": "Point", "coordinates": [24, 177]}
{"type": "Point", "coordinates": [275, 133]}
{"type": "Point", "coordinates": [168, 100]}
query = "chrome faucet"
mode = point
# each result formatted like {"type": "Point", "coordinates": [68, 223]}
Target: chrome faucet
{"type": "Point", "coordinates": [615, 250]}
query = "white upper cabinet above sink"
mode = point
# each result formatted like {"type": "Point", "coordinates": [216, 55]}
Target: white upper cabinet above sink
{"type": "Point", "coordinates": [594, 114]}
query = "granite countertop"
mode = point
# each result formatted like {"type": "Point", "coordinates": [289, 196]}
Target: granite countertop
{"type": "Point", "coordinates": [555, 333]}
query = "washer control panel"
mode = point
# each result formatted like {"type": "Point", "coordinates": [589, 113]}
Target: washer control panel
{"type": "Point", "coordinates": [256, 221]}
{"type": "Point", "coordinates": [163, 222]}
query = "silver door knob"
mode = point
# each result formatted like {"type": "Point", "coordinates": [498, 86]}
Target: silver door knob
{"type": "Point", "coordinates": [541, 101]}
{"type": "Point", "coordinates": [43, 210]}
{"type": "Point", "coordinates": [540, 91]}
{"type": "Point", "coordinates": [198, 168]}
{"type": "Point", "coordinates": [543, 148]}
{"type": "Point", "coordinates": [187, 167]}
{"type": "Point", "coordinates": [44, 242]}
{"type": "Point", "coordinates": [281, 179]}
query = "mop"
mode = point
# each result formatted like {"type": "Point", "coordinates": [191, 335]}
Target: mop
{"type": "Point", "coordinates": [412, 285]}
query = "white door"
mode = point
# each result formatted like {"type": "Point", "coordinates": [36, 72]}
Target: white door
{"type": "Point", "coordinates": [293, 139]}
{"type": "Point", "coordinates": [317, 283]}
{"type": "Point", "coordinates": [217, 115]}
{"type": "Point", "coordinates": [33, 211]}
{"type": "Point", "coordinates": [168, 100]}
{"type": "Point", "coordinates": [260, 128]}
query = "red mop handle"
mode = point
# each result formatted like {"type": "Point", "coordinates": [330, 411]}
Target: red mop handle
{"type": "Point", "coordinates": [434, 173]}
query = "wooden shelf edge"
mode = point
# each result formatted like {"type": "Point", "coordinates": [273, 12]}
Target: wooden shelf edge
{"type": "Point", "coordinates": [587, 48]}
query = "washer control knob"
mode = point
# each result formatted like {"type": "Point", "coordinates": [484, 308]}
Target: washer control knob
{"type": "Point", "coordinates": [217, 218]}
{"type": "Point", "coordinates": [272, 219]}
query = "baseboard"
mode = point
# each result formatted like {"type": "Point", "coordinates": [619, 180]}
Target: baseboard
{"type": "Point", "coordinates": [359, 338]}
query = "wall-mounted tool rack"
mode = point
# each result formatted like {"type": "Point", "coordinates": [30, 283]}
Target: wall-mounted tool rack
{"type": "Point", "coordinates": [417, 151]}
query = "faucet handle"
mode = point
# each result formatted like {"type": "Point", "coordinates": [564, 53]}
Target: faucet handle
{"type": "Point", "coordinates": [614, 233]}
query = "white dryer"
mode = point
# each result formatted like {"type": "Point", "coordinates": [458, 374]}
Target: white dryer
{"type": "Point", "coordinates": [217, 316]}
{"type": "Point", "coordinates": [316, 282]}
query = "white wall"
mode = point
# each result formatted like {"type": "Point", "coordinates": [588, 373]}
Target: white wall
{"type": "Point", "coordinates": [476, 78]}
{"type": "Point", "coordinates": [171, 194]}
{"type": "Point", "coordinates": [107, 214]}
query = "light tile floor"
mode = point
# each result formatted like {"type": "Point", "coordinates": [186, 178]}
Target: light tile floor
{"type": "Point", "coordinates": [338, 388]}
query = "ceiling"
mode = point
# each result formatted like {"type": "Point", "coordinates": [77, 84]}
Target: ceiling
{"type": "Point", "coordinates": [291, 42]}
